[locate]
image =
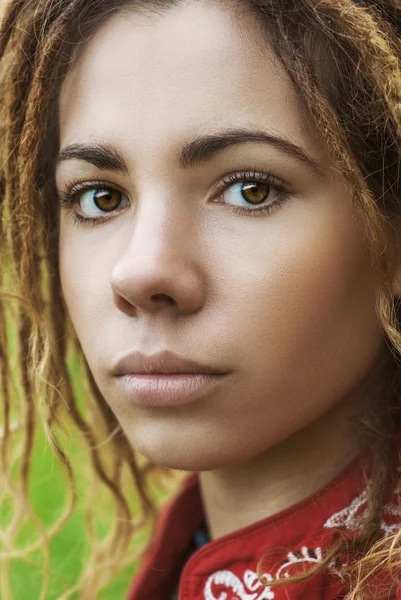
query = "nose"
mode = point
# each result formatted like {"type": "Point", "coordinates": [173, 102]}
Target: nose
{"type": "Point", "coordinates": [158, 269]}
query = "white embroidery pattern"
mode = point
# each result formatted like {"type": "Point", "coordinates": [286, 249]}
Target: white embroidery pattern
{"type": "Point", "coordinates": [251, 581]}
{"type": "Point", "coordinates": [349, 518]}
{"type": "Point", "coordinates": [305, 556]}
{"type": "Point", "coordinates": [250, 588]}
{"type": "Point", "coordinates": [233, 583]}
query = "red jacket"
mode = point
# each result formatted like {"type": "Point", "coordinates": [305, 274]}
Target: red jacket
{"type": "Point", "coordinates": [225, 568]}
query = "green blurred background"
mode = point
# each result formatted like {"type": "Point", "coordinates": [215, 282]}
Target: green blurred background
{"type": "Point", "coordinates": [68, 549]}
{"type": "Point", "coordinates": [49, 497]}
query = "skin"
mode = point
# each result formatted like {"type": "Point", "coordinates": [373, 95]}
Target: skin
{"type": "Point", "coordinates": [284, 302]}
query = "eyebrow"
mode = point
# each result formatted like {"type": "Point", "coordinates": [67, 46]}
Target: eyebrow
{"type": "Point", "coordinates": [102, 156]}
{"type": "Point", "coordinates": [202, 149]}
{"type": "Point", "coordinates": [197, 152]}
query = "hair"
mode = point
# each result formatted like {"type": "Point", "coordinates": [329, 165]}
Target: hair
{"type": "Point", "coordinates": [344, 58]}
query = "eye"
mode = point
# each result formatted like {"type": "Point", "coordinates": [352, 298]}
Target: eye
{"type": "Point", "coordinates": [248, 193]}
{"type": "Point", "coordinates": [95, 202]}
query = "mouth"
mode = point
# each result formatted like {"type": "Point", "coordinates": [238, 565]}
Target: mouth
{"type": "Point", "coordinates": [163, 363]}
{"type": "Point", "coordinates": [168, 390]}
{"type": "Point", "coordinates": [166, 379]}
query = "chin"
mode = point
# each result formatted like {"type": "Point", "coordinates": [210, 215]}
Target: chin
{"type": "Point", "coordinates": [175, 457]}
{"type": "Point", "coordinates": [183, 452]}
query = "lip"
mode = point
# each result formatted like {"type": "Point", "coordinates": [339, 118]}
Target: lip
{"type": "Point", "coordinates": [155, 390]}
{"type": "Point", "coordinates": [162, 363]}
{"type": "Point", "coordinates": [165, 378]}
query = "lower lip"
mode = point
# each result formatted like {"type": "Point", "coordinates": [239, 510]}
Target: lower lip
{"type": "Point", "coordinates": [159, 390]}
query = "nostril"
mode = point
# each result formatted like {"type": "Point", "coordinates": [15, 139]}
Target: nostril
{"type": "Point", "coordinates": [163, 297]}
{"type": "Point", "coordinates": [124, 305]}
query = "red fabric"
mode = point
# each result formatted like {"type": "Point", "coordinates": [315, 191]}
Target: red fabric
{"type": "Point", "coordinates": [225, 568]}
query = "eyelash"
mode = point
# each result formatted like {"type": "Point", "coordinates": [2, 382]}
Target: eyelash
{"type": "Point", "coordinates": [255, 176]}
{"type": "Point", "coordinates": [69, 199]}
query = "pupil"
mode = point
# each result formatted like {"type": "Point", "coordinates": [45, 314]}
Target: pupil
{"type": "Point", "coordinates": [254, 192]}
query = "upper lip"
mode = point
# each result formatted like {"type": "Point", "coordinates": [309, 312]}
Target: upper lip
{"type": "Point", "coordinates": [164, 362]}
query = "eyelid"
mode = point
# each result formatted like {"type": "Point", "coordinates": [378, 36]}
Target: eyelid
{"type": "Point", "coordinates": [250, 175]}
{"type": "Point", "coordinates": [67, 198]}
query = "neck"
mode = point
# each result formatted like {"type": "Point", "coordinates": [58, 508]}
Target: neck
{"type": "Point", "coordinates": [287, 473]}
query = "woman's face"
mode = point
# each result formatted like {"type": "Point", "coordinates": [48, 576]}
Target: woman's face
{"type": "Point", "coordinates": [191, 113]}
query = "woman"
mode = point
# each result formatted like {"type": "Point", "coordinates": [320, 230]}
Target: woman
{"type": "Point", "coordinates": [209, 193]}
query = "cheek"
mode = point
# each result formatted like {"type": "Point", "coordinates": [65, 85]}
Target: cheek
{"type": "Point", "coordinates": [85, 284]}
{"type": "Point", "coordinates": [305, 264]}
{"type": "Point", "coordinates": [303, 303]}
{"type": "Point", "coordinates": [314, 277]}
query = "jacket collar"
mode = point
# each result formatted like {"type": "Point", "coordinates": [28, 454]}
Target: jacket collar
{"type": "Point", "coordinates": [226, 568]}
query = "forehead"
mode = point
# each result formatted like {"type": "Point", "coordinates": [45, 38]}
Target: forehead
{"type": "Point", "coordinates": [161, 79]}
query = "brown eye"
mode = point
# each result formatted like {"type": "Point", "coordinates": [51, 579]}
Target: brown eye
{"type": "Point", "coordinates": [95, 202]}
{"type": "Point", "coordinates": [254, 192]}
{"type": "Point", "coordinates": [247, 193]}
{"type": "Point", "coordinates": [107, 200]}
